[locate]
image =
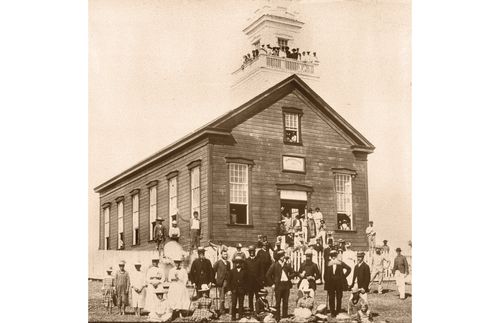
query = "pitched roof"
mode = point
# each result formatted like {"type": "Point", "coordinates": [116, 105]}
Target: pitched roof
{"type": "Point", "coordinates": [223, 124]}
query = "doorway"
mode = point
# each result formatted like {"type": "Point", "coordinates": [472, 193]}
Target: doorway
{"type": "Point", "coordinates": [293, 208]}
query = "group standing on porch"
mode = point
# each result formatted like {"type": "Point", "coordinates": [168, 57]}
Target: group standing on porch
{"type": "Point", "coordinates": [264, 269]}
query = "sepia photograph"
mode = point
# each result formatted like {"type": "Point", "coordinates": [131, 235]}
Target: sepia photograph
{"type": "Point", "coordinates": [250, 161]}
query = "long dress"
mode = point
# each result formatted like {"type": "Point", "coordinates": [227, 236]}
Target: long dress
{"type": "Point", "coordinates": [137, 280]}
{"type": "Point", "coordinates": [108, 291]}
{"type": "Point", "coordinates": [178, 295]}
{"type": "Point", "coordinates": [161, 313]}
{"type": "Point", "coordinates": [122, 280]}
{"type": "Point", "coordinates": [154, 276]}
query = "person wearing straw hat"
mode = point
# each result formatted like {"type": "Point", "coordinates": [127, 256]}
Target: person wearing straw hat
{"type": "Point", "coordinates": [305, 305]}
{"type": "Point", "coordinates": [238, 286]}
{"type": "Point", "coordinates": [138, 288]}
{"type": "Point", "coordinates": [334, 277]}
{"type": "Point", "coordinates": [239, 252]}
{"type": "Point", "coordinates": [108, 290]}
{"type": "Point", "coordinates": [161, 312]}
{"type": "Point", "coordinates": [203, 311]}
{"type": "Point", "coordinates": [178, 298]}
{"type": "Point", "coordinates": [361, 274]}
{"type": "Point", "coordinates": [160, 235]}
{"type": "Point", "coordinates": [122, 279]}
{"type": "Point", "coordinates": [154, 278]}
{"type": "Point", "coordinates": [201, 271]}
{"type": "Point", "coordinates": [262, 304]}
{"type": "Point", "coordinates": [355, 302]}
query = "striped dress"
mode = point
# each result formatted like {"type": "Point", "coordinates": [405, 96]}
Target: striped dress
{"type": "Point", "coordinates": [202, 312]}
{"type": "Point", "coordinates": [108, 290]}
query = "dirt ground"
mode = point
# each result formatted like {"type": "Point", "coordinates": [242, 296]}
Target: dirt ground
{"type": "Point", "coordinates": [386, 306]}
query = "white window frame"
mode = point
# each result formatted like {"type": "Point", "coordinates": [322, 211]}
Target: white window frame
{"type": "Point", "coordinates": [172, 199]}
{"type": "Point", "coordinates": [153, 209]}
{"type": "Point", "coordinates": [119, 207]}
{"type": "Point", "coordinates": [343, 196]}
{"type": "Point", "coordinates": [135, 218]}
{"type": "Point", "coordinates": [238, 186]}
{"type": "Point", "coordinates": [195, 178]}
{"type": "Point", "coordinates": [292, 123]}
{"type": "Point", "coordinates": [106, 227]}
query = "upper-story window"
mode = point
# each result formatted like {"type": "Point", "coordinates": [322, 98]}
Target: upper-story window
{"type": "Point", "coordinates": [121, 244]}
{"type": "Point", "coordinates": [106, 228]}
{"type": "Point", "coordinates": [153, 189]}
{"type": "Point", "coordinates": [291, 125]}
{"type": "Point", "coordinates": [195, 190]}
{"type": "Point", "coordinates": [135, 219]}
{"type": "Point", "coordinates": [238, 193]}
{"type": "Point", "coordinates": [282, 42]}
{"type": "Point", "coordinates": [172, 203]}
{"type": "Point", "coordinates": [343, 192]}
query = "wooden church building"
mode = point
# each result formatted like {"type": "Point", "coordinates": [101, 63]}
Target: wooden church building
{"type": "Point", "coordinates": [284, 147]}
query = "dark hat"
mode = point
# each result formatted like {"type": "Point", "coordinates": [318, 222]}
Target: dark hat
{"type": "Point", "coordinates": [238, 258]}
{"type": "Point", "coordinates": [361, 254]}
{"type": "Point", "coordinates": [385, 241]}
{"type": "Point", "coordinates": [398, 249]}
{"type": "Point", "coordinates": [280, 253]}
{"type": "Point", "coordinates": [370, 221]}
{"type": "Point", "coordinates": [334, 252]}
{"type": "Point", "coordinates": [251, 248]}
{"type": "Point", "coordinates": [262, 292]}
{"type": "Point", "coordinates": [201, 250]}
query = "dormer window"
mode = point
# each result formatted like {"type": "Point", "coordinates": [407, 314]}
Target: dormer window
{"type": "Point", "coordinates": [291, 126]}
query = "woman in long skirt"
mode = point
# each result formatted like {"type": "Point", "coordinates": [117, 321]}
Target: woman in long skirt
{"type": "Point", "coordinates": [178, 296]}
{"type": "Point", "coordinates": [154, 280]}
{"type": "Point", "coordinates": [108, 291]}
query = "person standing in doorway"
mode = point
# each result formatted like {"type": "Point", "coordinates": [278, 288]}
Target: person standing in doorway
{"type": "Point", "coordinates": [195, 231]}
{"type": "Point", "coordinates": [400, 271]}
{"type": "Point", "coordinates": [279, 275]}
{"type": "Point", "coordinates": [335, 277]}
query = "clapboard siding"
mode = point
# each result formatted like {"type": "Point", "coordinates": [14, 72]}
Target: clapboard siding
{"type": "Point", "coordinates": [260, 138]}
{"type": "Point", "coordinates": [157, 172]}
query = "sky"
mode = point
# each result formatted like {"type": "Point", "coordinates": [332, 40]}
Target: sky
{"type": "Point", "coordinates": [161, 69]}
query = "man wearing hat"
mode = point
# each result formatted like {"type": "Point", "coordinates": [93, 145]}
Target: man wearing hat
{"type": "Point", "coordinates": [385, 248]}
{"type": "Point", "coordinates": [311, 270]}
{"type": "Point", "coordinates": [361, 274]}
{"type": "Point", "coordinates": [222, 268]}
{"type": "Point", "coordinates": [160, 235]}
{"type": "Point", "coordinates": [237, 286]}
{"type": "Point", "coordinates": [335, 276]}
{"type": "Point", "coordinates": [262, 304]}
{"type": "Point", "coordinates": [239, 252]}
{"type": "Point", "coordinates": [265, 259]}
{"type": "Point", "coordinates": [254, 270]}
{"type": "Point", "coordinates": [355, 302]}
{"type": "Point", "coordinates": [154, 279]}
{"type": "Point", "coordinates": [400, 270]}
{"type": "Point", "coordinates": [174, 233]}
{"type": "Point", "coordinates": [328, 250]}
{"type": "Point", "coordinates": [279, 275]}
{"type": "Point", "coordinates": [122, 280]}
{"type": "Point", "coordinates": [370, 234]}
{"type": "Point", "coordinates": [138, 288]}
{"type": "Point", "coordinates": [379, 263]}
{"type": "Point", "coordinates": [201, 270]}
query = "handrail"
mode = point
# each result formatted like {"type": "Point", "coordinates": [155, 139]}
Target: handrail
{"type": "Point", "coordinates": [279, 63]}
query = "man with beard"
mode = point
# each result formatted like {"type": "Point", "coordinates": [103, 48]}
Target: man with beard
{"type": "Point", "coordinates": [265, 259]}
{"type": "Point", "coordinates": [238, 280]}
{"type": "Point", "coordinates": [201, 271]}
{"type": "Point", "coordinates": [311, 270]}
{"type": "Point", "coordinates": [254, 276]}
{"type": "Point", "coordinates": [222, 267]}
{"type": "Point", "coordinates": [335, 275]}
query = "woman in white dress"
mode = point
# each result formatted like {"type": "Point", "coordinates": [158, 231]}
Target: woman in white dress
{"type": "Point", "coordinates": [154, 281]}
{"type": "Point", "coordinates": [178, 296]}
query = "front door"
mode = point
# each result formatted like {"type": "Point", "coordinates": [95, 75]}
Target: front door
{"type": "Point", "coordinates": [293, 208]}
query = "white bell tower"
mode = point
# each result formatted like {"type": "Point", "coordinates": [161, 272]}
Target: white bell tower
{"type": "Point", "coordinates": [275, 24]}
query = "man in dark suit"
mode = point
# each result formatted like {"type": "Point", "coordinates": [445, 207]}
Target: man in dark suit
{"type": "Point", "coordinates": [160, 236]}
{"type": "Point", "coordinates": [265, 259]}
{"type": "Point", "coordinates": [361, 273]}
{"type": "Point", "coordinates": [201, 271]}
{"type": "Point", "coordinates": [279, 275]}
{"type": "Point", "coordinates": [222, 268]}
{"type": "Point", "coordinates": [335, 274]}
{"type": "Point", "coordinates": [311, 270]}
{"type": "Point", "coordinates": [253, 267]}
{"type": "Point", "coordinates": [327, 250]}
{"type": "Point", "coordinates": [237, 286]}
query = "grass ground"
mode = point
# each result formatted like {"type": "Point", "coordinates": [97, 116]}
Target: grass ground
{"type": "Point", "coordinates": [387, 306]}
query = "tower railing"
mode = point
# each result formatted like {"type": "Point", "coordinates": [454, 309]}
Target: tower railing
{"type": "Point", "coordinates": [278, 63]}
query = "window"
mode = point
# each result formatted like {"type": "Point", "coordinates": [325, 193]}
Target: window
{"type": "Point", "coordinates": [238, 193]}
{"type": "Point", "coordinates": [120, 244]}
{"type": "Point", "coordinates": [291, 125]}
{"type": "Point", "coordinates": [152, 210]}
{"type": "Point", "coordinates": [172, 204]}
{"type": "Point", "coordinates": [106, 228]}
{"type": "Point", "coordinates": [135, 219]}
{"type": "Point", "coordinates": [195, 190]}
{"type": "Point", "coordinates": [343, 192]}
{"type": "Point", "coordinates": [282, 42]}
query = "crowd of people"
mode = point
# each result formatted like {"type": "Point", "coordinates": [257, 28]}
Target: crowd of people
{"type": "Point", "coordinates": [282, 52]}
{"type": "Point", "coordinates": [254, 273]}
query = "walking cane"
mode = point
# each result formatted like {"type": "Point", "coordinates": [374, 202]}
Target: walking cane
{"type": "Point", "coordinates": [191, 298]}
